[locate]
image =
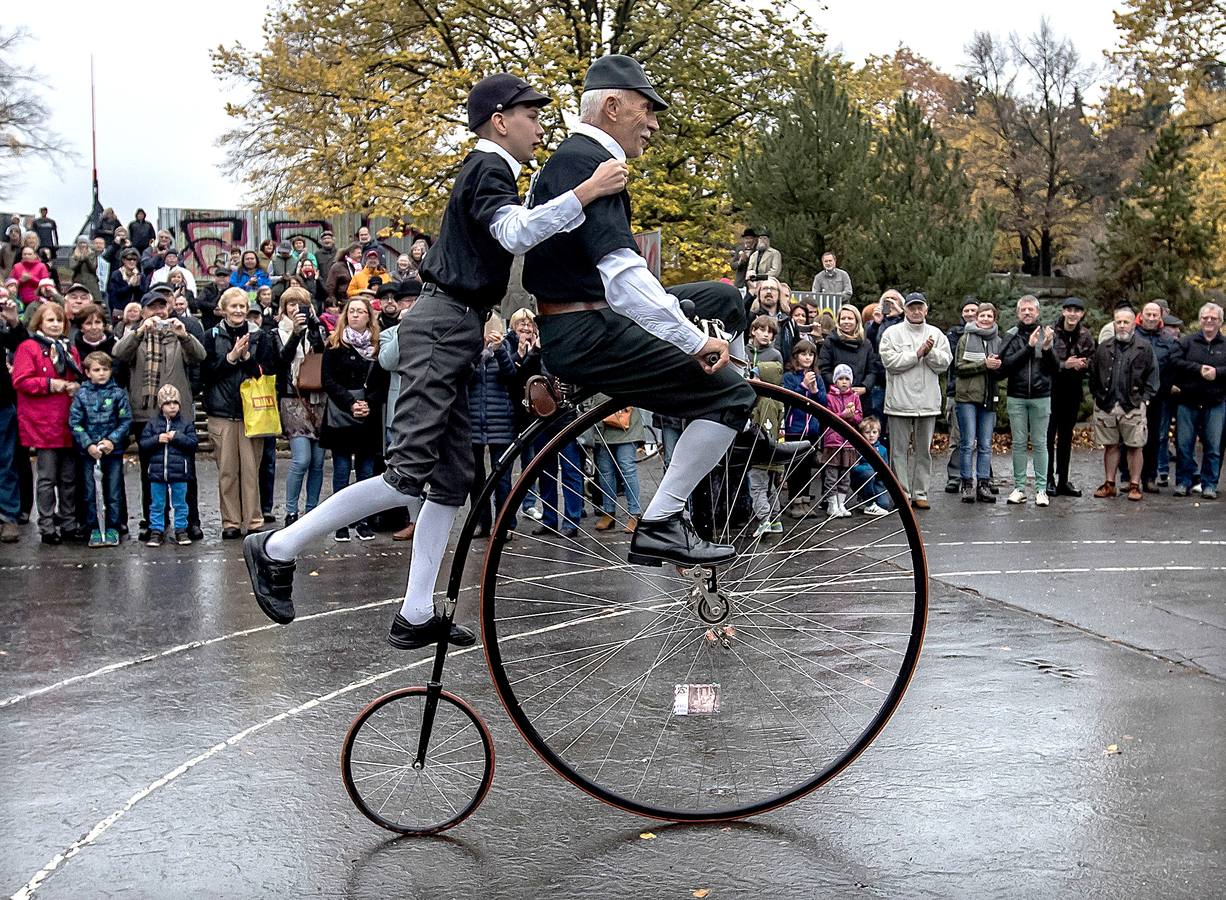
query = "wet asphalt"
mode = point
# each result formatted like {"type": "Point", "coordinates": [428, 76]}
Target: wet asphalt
{"type": "Point", "coordinates": [1062, 737]}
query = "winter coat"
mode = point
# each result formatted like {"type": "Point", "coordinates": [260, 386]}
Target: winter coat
{"type": "Point", "coordinates": [336, 281]}
{"type": "Point", "coordinates": [1193, 352]}
{"type": "Point", "coordinates": [976, 382]}
{"type": "Point", "coordinates": [27, 290]}
{"type": "Point", "coordinates": [1165, 347]}
{"type": "Point", "coordinates": [323, 261]}
{"type": "Point", "coordinates": [141, 233]}
{"type": "Point", "coordinates": [98, 413]}
{"type": "Point", "coordinates": [241, 278]}
{"type": "Point", "coordinates": [42, 417]}
{"type": "Point", "coordinates": [119, 292]}
{"type": "Point", "coordinates": [389, 362]}
{"type": "Point", "coordinates": [913, 383]}
{"type": "Point", "coordinates": [873, 331]}
{"type": "Point", "coordinates": [1075, 343]}
{"type": "Point", "coordinates": [286, 351]}
{"type": "Point", "coordinates": [838, 402]}
{"type": "Point", "coordinates": [84, 271]}
{"type": "Point", "coordinates": [489, 396]}
{"type": "Point", "coordinates": [361, 279]}
{"type": "Point", "coordinates": [1029, 373]}
{"type": "Point", "coordinates": [344, 372]}
{"type": "Point", "coordinates": [174, 461]}
{"type": "Point", "coordinates": [799, 423]}
{"type": "Point", "coordinates": [1139, 370]}
{"type": "Point", "coordinates": [10, 340]}
{"type": "Point", "coordinates": [223, 378]}
{"type": "Point", "coordinates": [953, 335]}
{"type": "Point", "coordinates": [278, 270]}
{"type": "Point", "coordinates": [858, 353]}
{"type": "Point", "coordinates": [179, 356]}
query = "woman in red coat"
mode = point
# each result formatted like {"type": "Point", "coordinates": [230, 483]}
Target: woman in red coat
{"type": "Point", "coordinates": [28, 271]}
{"type": "Point", "coordinates": [46, 375]}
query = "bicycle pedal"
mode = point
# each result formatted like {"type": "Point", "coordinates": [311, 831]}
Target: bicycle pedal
{"type": "Point", "coordinates": [639, 560]}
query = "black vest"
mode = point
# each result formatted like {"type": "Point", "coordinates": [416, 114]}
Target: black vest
{"type": "Point", "coordinates": [563, 268]}
{"type": "Point", "coordinates": [466, 261]}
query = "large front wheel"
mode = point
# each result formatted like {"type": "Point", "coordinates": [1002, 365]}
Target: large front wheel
{"type": "Point", "coordinates": [707, 696]}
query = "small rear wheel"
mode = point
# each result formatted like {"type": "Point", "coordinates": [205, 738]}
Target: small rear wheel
{"type": "Point", "coordinates": [380, 772]}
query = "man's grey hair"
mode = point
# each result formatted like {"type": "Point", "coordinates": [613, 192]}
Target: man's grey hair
{"type": "Point", "coordinates": [1210, 307]}
{"type": "Point", "coordinates": [590, 102]}
{"type": "Point", "coordinates": [1028, 298]}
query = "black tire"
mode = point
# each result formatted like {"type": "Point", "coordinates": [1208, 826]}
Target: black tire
{"type": "Point", "coordinates": [545, 665]}
{"type": "Point", "coordinates": [474, 772]}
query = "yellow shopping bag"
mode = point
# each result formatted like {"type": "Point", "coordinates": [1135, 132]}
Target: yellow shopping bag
{"type": "Point", "coordinates": [260, 415]}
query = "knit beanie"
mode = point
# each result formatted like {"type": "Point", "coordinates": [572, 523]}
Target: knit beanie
{"type": "Point", "coordinates": [168, 393]}
{"type": "Point", "coordinates": [842, 370]}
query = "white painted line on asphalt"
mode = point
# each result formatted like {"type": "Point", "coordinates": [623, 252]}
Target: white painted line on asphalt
{"type": "Point", "coordinates": [1074, 571]}
{"type": "Point", "coordinates": [27, 891]}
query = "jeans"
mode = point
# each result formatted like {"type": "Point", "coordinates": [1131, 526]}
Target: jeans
{"type": "Point", "coordinates": [975, 426]}
{"type": "Point", "coordinates": [1205, 423]}
{"type": "Point", "coordinates": [112, 490]}
{"type": "Point", "coordinates": [10, 486]}
{"type": "Point", "coordinates": [193, 501]}
{"type": "Point", "coordinates": [502, 489]}
{"type": "Point", "coordinates": [306, 464]}
{"type": "Point", "coordinates": [867, 488]}
{"type": "Point", "coordinates": [1158, 424]}
{"type": "Point", "coordinates": [572, 485]}
{"type": "Point", "coordinates": [158, 491]}
{"type": "Point", "coordinates": [343, 464]}
{"type": "Point", "coordinates": [1028, 424]}
{"type": "Point", "coordinates": [268, 474]}
{"type": "Point", "coordinates": [613, 460]}
{"type": "Point", "coordinates": [530, 498]}
{"type": "Point", "coordinates": [669, 435]}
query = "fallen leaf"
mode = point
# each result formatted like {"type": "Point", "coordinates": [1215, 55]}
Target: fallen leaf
{"type": "Point", "coordinates": [313, 574]}
{"type": "Point", "coordinates": [1112, 750]}
{"type": "Point", "coordinates": [647, 836]}
{"type": "Point", "coordinates": [701, 892]}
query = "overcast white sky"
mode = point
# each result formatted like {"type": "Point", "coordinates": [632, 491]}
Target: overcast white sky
{"type": "Point", "coordinates": [160, 107]}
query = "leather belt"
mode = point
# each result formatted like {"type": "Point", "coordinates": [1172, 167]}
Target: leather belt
{"type": "Point", "coordinates": [558, 309]}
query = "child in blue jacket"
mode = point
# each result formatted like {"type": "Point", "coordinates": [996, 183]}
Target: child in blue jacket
{"type": "Point", "coordinates": [169, 442]}
{"type": "Point", "coordinates": [802, 377]}
{"type": "Point", "coordinates": [878, 501]}
{"type": "Point", "coordinates": [100, 418]}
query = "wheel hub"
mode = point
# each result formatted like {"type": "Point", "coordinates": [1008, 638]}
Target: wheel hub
{"type": "Point", "coordinates": [710, 605]}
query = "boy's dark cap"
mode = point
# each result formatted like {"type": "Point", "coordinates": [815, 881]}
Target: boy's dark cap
{"type": "Point", "coordinates": [617, 72]}
{"type": "Point", "coordinates": [497, 93]}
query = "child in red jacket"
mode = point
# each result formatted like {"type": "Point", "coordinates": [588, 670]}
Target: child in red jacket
{"type": "Point", "coordinates": [46, 375]}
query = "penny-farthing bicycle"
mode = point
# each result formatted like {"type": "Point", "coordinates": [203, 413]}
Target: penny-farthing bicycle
{"type": "Point", "coordinates": [690, 696]}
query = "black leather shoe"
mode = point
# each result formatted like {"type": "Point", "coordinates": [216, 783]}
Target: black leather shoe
{"type": "Point", "coordinates": [406, 636]}
{"type": "Point", "coordinates": [142, 535]}
{"type": "Point", "coordinates": [272, 580]}
{"type": "Point", "coordinates": [195, 532]}
{"type": "Point", "coordinates": [269, 518]}
{"type": "Point", "coordinates": [755, 447]}
{"type": "Point", "coordinates": [1068, 489]}
{"type": "Point", "coordinates": [52, 538]}
{"type": "Point", "coordinates": [230, 534]}
{"type": "Point", "coordinates": [674, 540]}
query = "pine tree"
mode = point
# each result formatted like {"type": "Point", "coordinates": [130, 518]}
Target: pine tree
{"type": "Point", "coordinates": [1154, 241]}
{"type": "Point", "coordinates": [807, 176]}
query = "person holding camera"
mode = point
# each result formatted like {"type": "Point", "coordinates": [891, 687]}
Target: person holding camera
{"type": "Point", "coordinates": [249, 276]}
{"type": "Point", "coordinates": [298, 334]}
{"type": "Point", "coordinates": [159, 351]}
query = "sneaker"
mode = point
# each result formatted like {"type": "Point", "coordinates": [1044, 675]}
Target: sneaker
{"type": "Point", "coordinates": [533, 513]}
{"type": "Point", "coordinates": [967, 488]}
{"type": "Point", "coordinates": [953, 485]}
{"type": "Point", "coordinates": [406, 636]}
{"type": "Point", "coordinates": [95, 539]}
{"type": "Point", "coordinates": [365, 532]}
{"type": "Point", "coordinates": [1041, 499]}
{"type": "Point", "coordinates": [9, 533]}
{"type": "Point", "coordinates": [1105, 491]}
{"type": "Point", "coordinates": [182, 538]}
{"type": "Point", "coordinates": [874, 510]}
{"type": "Point", "coordinates": [110, 537]}
{"type": "Point", "coordinates": [1181, 490]}
{"type": "Point", "coordinates": [1164, 480]}
{"type": "Point", "coordinates": [776, 528]}
{"type": "Point", "coordinates": [341, 536]}
{"type": "Point", "coordinates": [1208, 494]}
{"type": "Point", "coordinates": [155, 539]}
{"type": "Point", "coordinates": [1017, 498]}
{"type": "Point", "coordinates": [763, 529]}
{"type": "Point", "coordinates": [1196, 489]}
{"type": "Point", "coordinates": [272, 580]}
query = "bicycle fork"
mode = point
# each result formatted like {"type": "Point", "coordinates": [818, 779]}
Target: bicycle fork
{"type": "Point", "coordinates": [434, 686]}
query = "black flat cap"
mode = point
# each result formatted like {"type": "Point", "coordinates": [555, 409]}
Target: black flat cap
{"type": "Point", "coordinates": [915, 297]}
{"type": "Point", "coordinates": [496, 93]}
{"type": "Point", "coordinates": [152, 297]}
{"type": "Point", "coordinates": [622, 72]}
{"type": "Point", "coordinates": [410, 287]}
{"type": "Point", "coordinates": [1074, 303]}
{"type": "Point", "coordinates": [1172, 320]}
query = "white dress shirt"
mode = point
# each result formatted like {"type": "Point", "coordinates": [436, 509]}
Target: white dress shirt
{"type": "Point", "coordinates": [631, 289]}
{"type": "Point", "coordinates": [519, 229]}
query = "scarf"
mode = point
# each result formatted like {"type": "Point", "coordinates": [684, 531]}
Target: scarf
{"type": "Point", "coordinates": [61, 356]}
{"type": "Point", "coordinates": [286, 329]}
{"type": "Point", "coordinates": [359, 341]}
{"type": "Point", "coordinates": [155, 355]}
{"type": "Point", "coordinates": [981, 342]}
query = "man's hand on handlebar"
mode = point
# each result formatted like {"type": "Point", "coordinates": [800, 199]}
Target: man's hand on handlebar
{"type": "Point", "coordinates": [713, 355]}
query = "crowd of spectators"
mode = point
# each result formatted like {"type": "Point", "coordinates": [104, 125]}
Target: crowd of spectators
{"type": "Point", "coordinates": [126, 349]}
